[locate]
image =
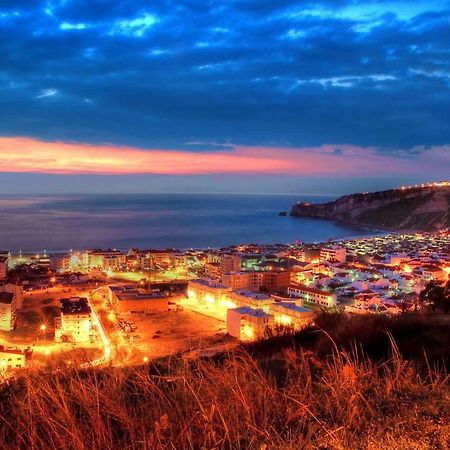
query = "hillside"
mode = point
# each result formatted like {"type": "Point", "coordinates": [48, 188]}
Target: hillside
{"type": "Point", "coordinates": [349, 382]}
{"type": "Point", "coordinates": [407, 209]}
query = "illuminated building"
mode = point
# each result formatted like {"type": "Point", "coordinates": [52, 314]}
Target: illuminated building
{"type": "Point", "coordinates": [312, 295]}
{"type": "Point", "coordinates": [7, 311]}
{"type": "Point", "coordinates": [248, 324]}
{"type": "Point", "coordinates": [309, 255]}
{"type": "Point", "coordinates": [291, 314]}
{"type": "Point", "coordinates": [229, 263]}
{"type": "Point", "coordinates": [104, 259]}
{"type": "Point", "coordinates": [433, 273]}
{"type": "Point", "coordinates": [335, 253]}
{"type": "Point", "coordinates": [264, 280]}
{"type": "Point", "coordinates": [209, 295]}
{"type": "Point", "coordinates": [180, 259]}
{"type": "Point", "coordinates": [42, 261]}
{"type": "Point", "coordinates": [159, 259]}
{"type": "Point", "coordinates": [11, 359]}
{"type": "Point", "coordinates": [212, 270]}
{"type": "Point", "coordinates": [129, 300]}
{"type": "Point", "coordinates": [17, 290]}
{"type": "Point", "coordinates": [75, 323]}
{"type": "Point", "coordinates": [255, 300]}
{"type": "Point", "coordinates": [398, 258]}
{"type": "Point", "coordinates": [60, 262]}
{"type": "Point", "coordinates": [3, 267]}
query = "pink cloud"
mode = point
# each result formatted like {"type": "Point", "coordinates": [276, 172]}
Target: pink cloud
{"type": "Point", "coordinates": [18, 154]}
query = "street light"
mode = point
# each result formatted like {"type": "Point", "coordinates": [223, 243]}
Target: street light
{"type": "Point", "coordinates": [43, 328]}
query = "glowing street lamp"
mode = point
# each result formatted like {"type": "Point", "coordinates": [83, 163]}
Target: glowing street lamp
{"type": "Point", "coordinates": [43, 328]}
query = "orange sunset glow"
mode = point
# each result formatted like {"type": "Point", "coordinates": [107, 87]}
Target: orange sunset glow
{"type": "Point", "coordinates": [19, 154]}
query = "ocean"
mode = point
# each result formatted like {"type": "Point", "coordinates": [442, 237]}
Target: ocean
{"type": "Point", "coordinates": [62, 222]}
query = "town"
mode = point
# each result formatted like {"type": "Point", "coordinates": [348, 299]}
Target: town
{"type": "Point", "coordinates": [101, 307]}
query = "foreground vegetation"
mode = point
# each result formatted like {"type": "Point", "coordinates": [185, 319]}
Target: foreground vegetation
{"type": "Point", "coordinates": [326, 393]}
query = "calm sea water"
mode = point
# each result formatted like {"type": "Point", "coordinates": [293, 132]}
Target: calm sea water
{"type": "Point", "coordinates": [59, 223]}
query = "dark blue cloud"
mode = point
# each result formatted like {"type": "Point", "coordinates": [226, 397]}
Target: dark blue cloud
{"type": "Point", "coordinates": [257, 72]}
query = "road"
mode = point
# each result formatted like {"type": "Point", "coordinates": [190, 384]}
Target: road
{"type": "Point", "coordinates": [108, 352]}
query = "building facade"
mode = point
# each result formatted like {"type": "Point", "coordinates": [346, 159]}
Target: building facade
{"type": "Point", "coordinates": [3, 267]}
{"type": "Point", "coordinates": [7, 311]}
{"type": "Point", "coordinates": [258, 281]}
{"type": "Point", "coordinates": [335, 253]}
{"type": "Point", "coordinates": [312, 295]}
{"type": "Point", "coordinates": [60, 262]}
{"type": "Point", "coordinates": [75, 323]}
{"type": "Point", "coordinates": [248, 324]}
{"type": "Point", "coordinates": [11, 359]}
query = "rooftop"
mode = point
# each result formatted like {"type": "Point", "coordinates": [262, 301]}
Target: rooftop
{"type": "Point", "coordinates": [139, 296]}
{"type": "Point", "coordinates": [307, 289]}
{"type": "Point", "coordinates": [250, 311]}
{"type": "Point", "coordinates": [292, 306]}
{"type": "Point", "coordinates": [208, 282]}
{"type": "Point", "coordinates": [253, 295]}
{"type": "Point", "coordinates": [75, 305]}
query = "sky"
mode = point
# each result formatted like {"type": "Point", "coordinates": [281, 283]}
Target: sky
{"type": "Point", "coordinates": [250, 96]}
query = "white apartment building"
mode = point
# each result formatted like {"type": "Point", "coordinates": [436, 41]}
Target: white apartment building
{"type": "Point", "coordinates": [335, 253]}
{"type": "Point", "coordinates": [312, 295]}
{"type": "Point", "coordinates": [7, 311]}
{"type": "Point", "coordinates": [75, 324]}
{"type": "Point", "coordinates": [291, 314]}
{"type": "Point", "coordinates": [248, 324]}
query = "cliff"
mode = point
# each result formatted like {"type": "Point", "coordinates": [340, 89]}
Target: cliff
{"type": "Point", "coordinates": [407, 209]}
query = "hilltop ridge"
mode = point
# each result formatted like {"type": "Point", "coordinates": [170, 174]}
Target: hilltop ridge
{"type": "Point", "coordinates": [410, 208]}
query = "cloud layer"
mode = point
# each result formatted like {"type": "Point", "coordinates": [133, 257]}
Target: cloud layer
{"type": "Point", "coordinates": [275, 73]}
{"type": "Point", "coordinates": [211, 95]}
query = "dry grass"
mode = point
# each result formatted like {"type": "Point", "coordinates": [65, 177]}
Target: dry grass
{"type": "Point", "coordinates": [290, 400]}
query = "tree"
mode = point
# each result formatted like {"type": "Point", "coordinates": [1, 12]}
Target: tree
{"type": "Point", "coordinates": [436, 297]}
